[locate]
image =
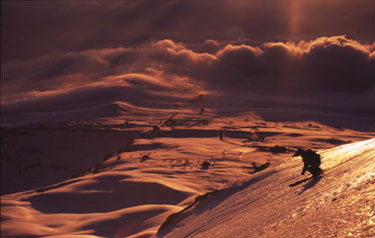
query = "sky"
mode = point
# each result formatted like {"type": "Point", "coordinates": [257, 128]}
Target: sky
{"type": "Point", "coordinates": [318, 52]}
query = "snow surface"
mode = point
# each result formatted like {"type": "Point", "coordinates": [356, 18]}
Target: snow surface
{"type": "Point", "coordinates": [124, 175]}
{"type": "Point", "coordinates": [339, 204]}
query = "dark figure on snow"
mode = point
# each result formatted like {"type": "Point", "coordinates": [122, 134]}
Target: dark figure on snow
{"type": "Point", "coordinates": [311, 161]}
{"type": "Point", "coordinates": [221, 135]}
{"type": "Point", "coordinates": [259, 168]}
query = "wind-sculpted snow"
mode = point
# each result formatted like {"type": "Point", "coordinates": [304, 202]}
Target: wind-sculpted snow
{"type": "Point", "coordinates": [341, 154]}
{"type": "Point", "coordinates": [180, 118]}
{"type": "Point", "coordinates": [338, 204]}
{"type": "Point", "coordinates": [124, 176]}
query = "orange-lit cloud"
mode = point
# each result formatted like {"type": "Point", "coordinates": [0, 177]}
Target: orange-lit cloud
{"type": "Point", "coordinates": [328, 70]}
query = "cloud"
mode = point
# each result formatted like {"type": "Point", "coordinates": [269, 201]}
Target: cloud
{"type": "Point", "coordinates": [60, 71]}
{"type": "Point", "coordinates": [334, 72]}
{"type": "Point", "coordinates": [209, 46]}
{"type": "Point", "coordinates": [74, 26]}
{"type": "Point", "coordinates": [322, 66]}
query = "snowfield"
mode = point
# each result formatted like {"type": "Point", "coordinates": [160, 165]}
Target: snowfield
{"type": "Point", "coordinates": [185, 175]}
{"type": "Point", "coordinates": [339, 204]}
{"type": "Point", "coordinates": [173, 118]}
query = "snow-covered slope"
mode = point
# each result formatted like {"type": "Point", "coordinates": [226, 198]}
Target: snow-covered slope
{"type": "Point", "coordinates": [279, 203]}
{"type": "Point", "coordinates": [123, 177]}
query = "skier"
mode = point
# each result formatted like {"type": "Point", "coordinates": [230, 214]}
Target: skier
{"type": "Point", "coordinates": [311, 161]}
{"type": "Point", "coordinates": [221, 135]}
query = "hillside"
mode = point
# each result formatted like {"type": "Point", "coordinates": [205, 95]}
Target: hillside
{"type": "Point", "coordinates": [339, 204]}
{"type": "Point", "coordinates": [124, 178]}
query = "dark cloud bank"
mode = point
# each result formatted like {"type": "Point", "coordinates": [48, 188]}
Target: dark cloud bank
{"type": "Point", "coordinates": [67, 55]}
{"type": "Point", "coordinates": [334, 74]}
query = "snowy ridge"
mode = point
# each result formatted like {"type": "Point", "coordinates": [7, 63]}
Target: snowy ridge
{"type": "Point", "coordinates": [340, 204]}
{"type": "Point", "coordinates": [341, 154]}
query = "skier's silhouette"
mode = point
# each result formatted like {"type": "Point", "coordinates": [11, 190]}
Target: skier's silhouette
{"type": "Point", "coordinates": [221, 135]}
{"type": "Point", "coordinates": [311, 161]}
